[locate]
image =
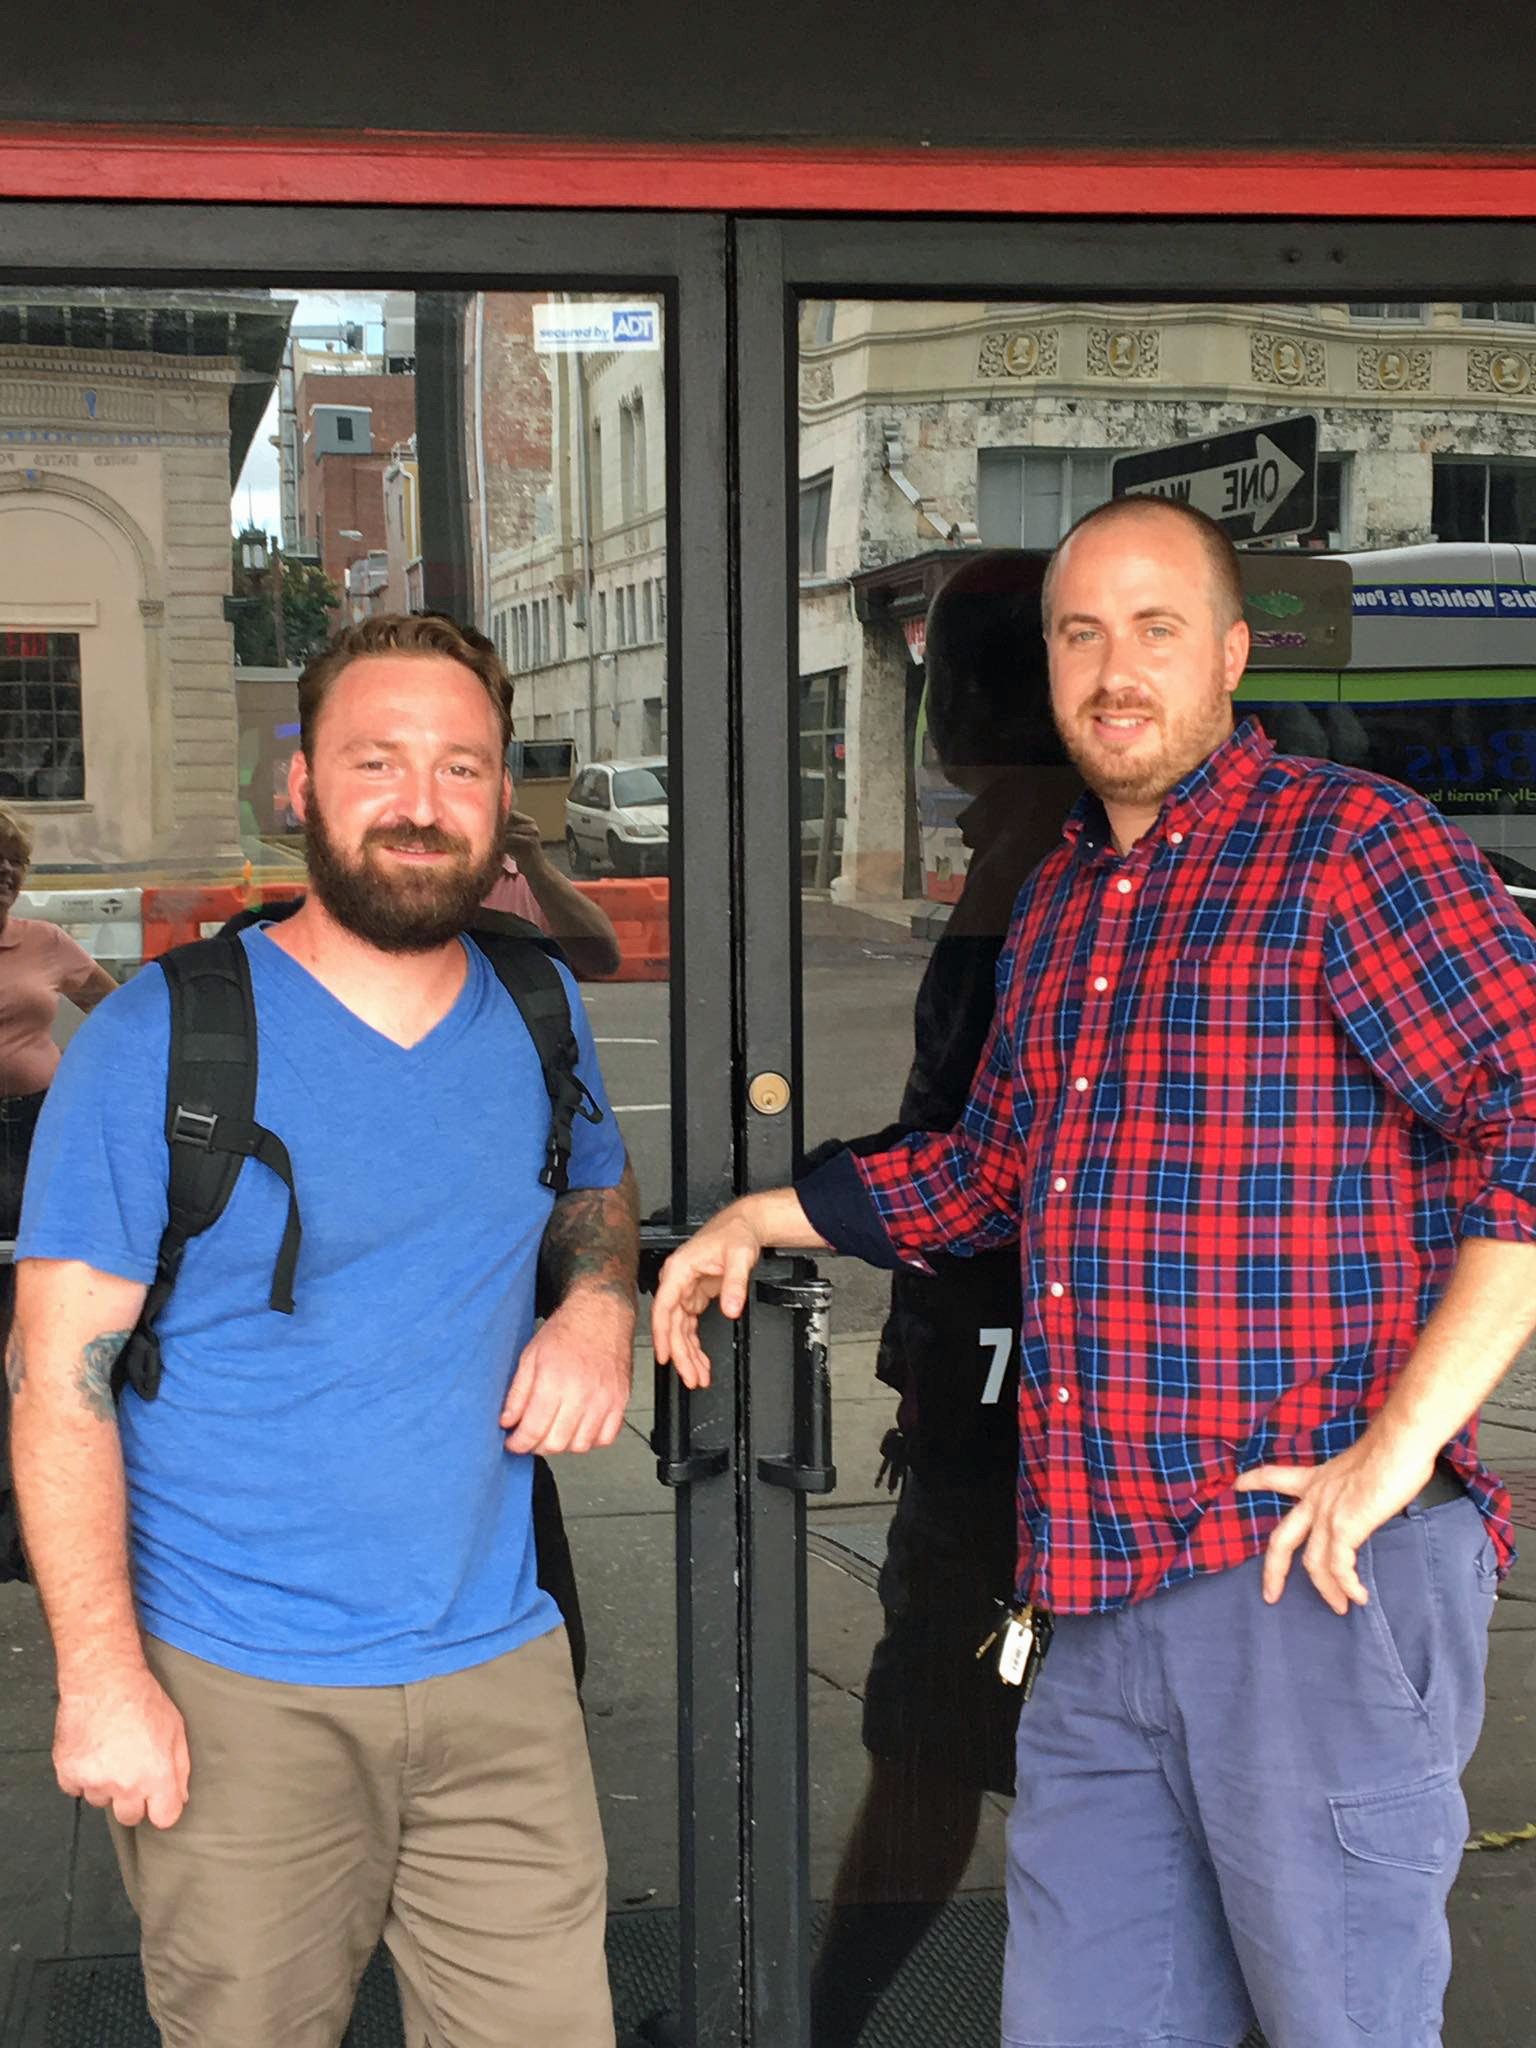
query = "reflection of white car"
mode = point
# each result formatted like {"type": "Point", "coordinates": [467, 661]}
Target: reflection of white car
{"type": "Point", "coordinates": [616, 816]}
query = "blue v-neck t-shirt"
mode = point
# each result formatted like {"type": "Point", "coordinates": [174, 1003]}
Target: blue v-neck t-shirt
{"type": "Point", "coordinates": [326, 1497]}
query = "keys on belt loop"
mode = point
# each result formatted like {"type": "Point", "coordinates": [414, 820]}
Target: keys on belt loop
{"type": "Point", "coordinates": [1023, 1640]}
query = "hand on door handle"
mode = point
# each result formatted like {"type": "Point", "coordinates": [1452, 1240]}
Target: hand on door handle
{"type": "Point", "coordinates": [716, 1264]}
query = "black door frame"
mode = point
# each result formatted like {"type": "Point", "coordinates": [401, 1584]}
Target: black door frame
{"type": "Point", "coordinates": [777, 262]}
{"type": "Point", "coordinates": [682, 259]}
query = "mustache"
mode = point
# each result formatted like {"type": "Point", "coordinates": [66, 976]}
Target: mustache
{"type": "Point", "coordinates": [1122, 707]}
{"type": "Point", "coordinates": [415, 839]}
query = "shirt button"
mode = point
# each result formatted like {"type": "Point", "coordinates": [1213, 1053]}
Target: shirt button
{"type": "Point", "coordinates": [1060, 1185]}
{"type": "Point", "coordinates": [1175, 838]}
{"type": "Point", "coordinates": [1063, 1394]}
{"type": "Point", "coordinates": [1101, 983]}
{"type": "Point", "coordinates": [1057, 1289]}
{"type": "Point", "coordinates": [1123, 886]}
{"type": "Point", "coordinates": [1081, 1083]}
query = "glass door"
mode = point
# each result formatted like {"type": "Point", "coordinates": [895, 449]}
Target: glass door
{"type": "Point", "coordinates": [223, 437]}
{"type": "Point", "coordinates": [729, 564]}
{"type": "Point", "coordinates": [954, 397]}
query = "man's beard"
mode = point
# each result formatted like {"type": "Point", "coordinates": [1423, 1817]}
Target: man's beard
{"type": "Point", "coordinates": [397, 908]}
{"type": "Point", "coordinates": [1186, 740]}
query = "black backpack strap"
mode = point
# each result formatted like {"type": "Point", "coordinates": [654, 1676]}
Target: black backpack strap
{"type": "Point", "coordinates": [518, 953]}
{"type": "Point", "coordinates": [210, 1129]}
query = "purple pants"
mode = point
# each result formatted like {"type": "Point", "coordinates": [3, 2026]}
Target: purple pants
{"type": "Point", "coordinates": [1228, 1811]}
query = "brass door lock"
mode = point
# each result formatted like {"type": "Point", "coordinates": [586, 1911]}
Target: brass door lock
{"type": "Point", "coordinates": [768, 1094]}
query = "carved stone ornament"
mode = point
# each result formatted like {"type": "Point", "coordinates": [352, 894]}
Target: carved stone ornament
{"type": "Point", "coordinates": [37, 402]}
{"type": "Point", "coordinates": [1027, 352]}
{"type": "Point", "coordinates": [816, 384]}
{"type": "Point", "coordinates": [1286, 359]}
{"type": "Point", "coordinates": [1392, 369]}
{"type": "Point", "coordinates": [1508, 371]}
{"type": "Point", "coordinates": [1123, 351]}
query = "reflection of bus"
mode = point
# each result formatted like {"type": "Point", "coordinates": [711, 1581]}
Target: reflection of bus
{"type": "Point", "coordinates": [1438, 689]}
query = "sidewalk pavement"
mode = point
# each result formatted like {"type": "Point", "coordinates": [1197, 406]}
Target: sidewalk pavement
{"type": "Point", "coordinates": [59, 1889]}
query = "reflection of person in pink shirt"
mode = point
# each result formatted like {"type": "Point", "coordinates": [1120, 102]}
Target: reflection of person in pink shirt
{"type": "Point", "coordinates": [38, 964]}
{"type": "Point", "coordinates": [532, 887]}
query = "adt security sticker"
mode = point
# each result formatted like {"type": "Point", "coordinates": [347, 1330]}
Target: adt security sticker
{"type": "Point", "coordinates": [580, 329]}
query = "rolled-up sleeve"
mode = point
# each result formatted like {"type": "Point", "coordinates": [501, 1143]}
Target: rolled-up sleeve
{"type": "Point", "coordinates": [840, 1209]}
{"type": "Point", "coordinates": [1431, 972]}
{"type": "Point", "coordinates": [955, 1191]}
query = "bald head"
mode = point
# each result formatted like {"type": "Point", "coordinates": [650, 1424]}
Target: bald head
{"type": "Point", "coordinates": [1148, 514]}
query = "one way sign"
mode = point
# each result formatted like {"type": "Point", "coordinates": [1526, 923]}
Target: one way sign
{"type": "Point", "coordinates": [1257, 481]}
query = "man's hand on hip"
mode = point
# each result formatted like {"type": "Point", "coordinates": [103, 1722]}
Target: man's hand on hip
{"type": "Point", "coordinates": [1338, 1506]}
{"type": "Point", "coordinates": [572, 1381]}
{"type": "Point", "coordinates": [123, 1745]}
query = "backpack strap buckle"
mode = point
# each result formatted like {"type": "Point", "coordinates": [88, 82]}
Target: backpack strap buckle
{"type": "Point", "coordinates": [530, 978]}
{"type": "Point", "coordinates": [192, 1127]}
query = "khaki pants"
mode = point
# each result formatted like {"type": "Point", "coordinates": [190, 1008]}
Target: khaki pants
{"type": "Point", "coordinates": [456, 1817]}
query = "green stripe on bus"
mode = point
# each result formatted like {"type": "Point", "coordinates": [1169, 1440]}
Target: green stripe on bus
{"type": "Point", "coordinates": [1391, 686]}
{"type": "Point", "coordinates": [1293, 688]}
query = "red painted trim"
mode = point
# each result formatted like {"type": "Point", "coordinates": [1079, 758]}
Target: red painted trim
{"type": "Point", "coordinates": [93, 162]}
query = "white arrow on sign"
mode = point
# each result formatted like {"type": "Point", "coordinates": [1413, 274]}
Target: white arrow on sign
{"type": "Point", "coordinates": [1257, 487]}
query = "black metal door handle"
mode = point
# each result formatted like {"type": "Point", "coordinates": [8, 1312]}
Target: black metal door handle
{"type": "Point", "coordinates": [809, 1468]}
{"type": "Point", "coordinates": [677, 1462]}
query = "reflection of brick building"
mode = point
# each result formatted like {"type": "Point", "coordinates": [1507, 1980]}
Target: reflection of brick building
{"type": "Point", "coordinates": [507, 391]}
{"type": "Point", "coordinates": [349, 426]}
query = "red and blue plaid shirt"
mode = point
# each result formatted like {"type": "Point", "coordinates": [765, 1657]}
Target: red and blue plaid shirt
{"type": "Point", "coordinates": [1247, 1086]}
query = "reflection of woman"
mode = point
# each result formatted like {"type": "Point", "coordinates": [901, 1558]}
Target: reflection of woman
{"type": "Point", "coordinates": [531, 886]}
{"type": "Point", "coordinates": [38, 964]}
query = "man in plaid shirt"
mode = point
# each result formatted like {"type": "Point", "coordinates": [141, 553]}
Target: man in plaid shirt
{"type": "Point", "coordinates": [1259, 1108]}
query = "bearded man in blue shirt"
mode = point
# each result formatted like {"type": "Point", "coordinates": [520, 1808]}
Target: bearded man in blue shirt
{"type": "Point", "coordinates": [303, 1655]}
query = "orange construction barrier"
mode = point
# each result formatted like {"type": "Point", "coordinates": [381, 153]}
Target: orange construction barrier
{"type": "Point", "coordinates": [641, 913]}
{"type": "Point", "coordinates": [174, 915]}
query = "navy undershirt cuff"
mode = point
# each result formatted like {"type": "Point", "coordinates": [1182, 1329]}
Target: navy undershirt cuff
{"type": "Point", "coordinates": [841, 1210]}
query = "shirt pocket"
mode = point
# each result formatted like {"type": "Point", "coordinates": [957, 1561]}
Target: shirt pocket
{"type": "Point", "coordinates": [1219, 1039]}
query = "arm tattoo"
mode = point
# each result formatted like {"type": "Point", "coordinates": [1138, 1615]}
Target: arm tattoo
{"type": "Point", "coordinates": [94, 1379]}
{"type": "Point", "coordinates": [592, 1239]}
{"type": "Point", "coordinates": [15, 1363]}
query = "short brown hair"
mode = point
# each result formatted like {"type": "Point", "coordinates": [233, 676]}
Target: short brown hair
{"type": "Point", "coordinates": [1220, 555]}
{"type": "Point", "coordinates": [15, 837]}
{"type": "Point", "coordinates": [400, 633]}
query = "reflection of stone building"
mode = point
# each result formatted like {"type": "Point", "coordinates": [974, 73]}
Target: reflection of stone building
{"type": "Point", "coordinates": [124, 417]}
{"type": "Point", "coordinates": [925, 426]}
{"type": "Point", "coordinates": [572, 542]}
{"type": "Point", "coordinates": [402, 531]}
